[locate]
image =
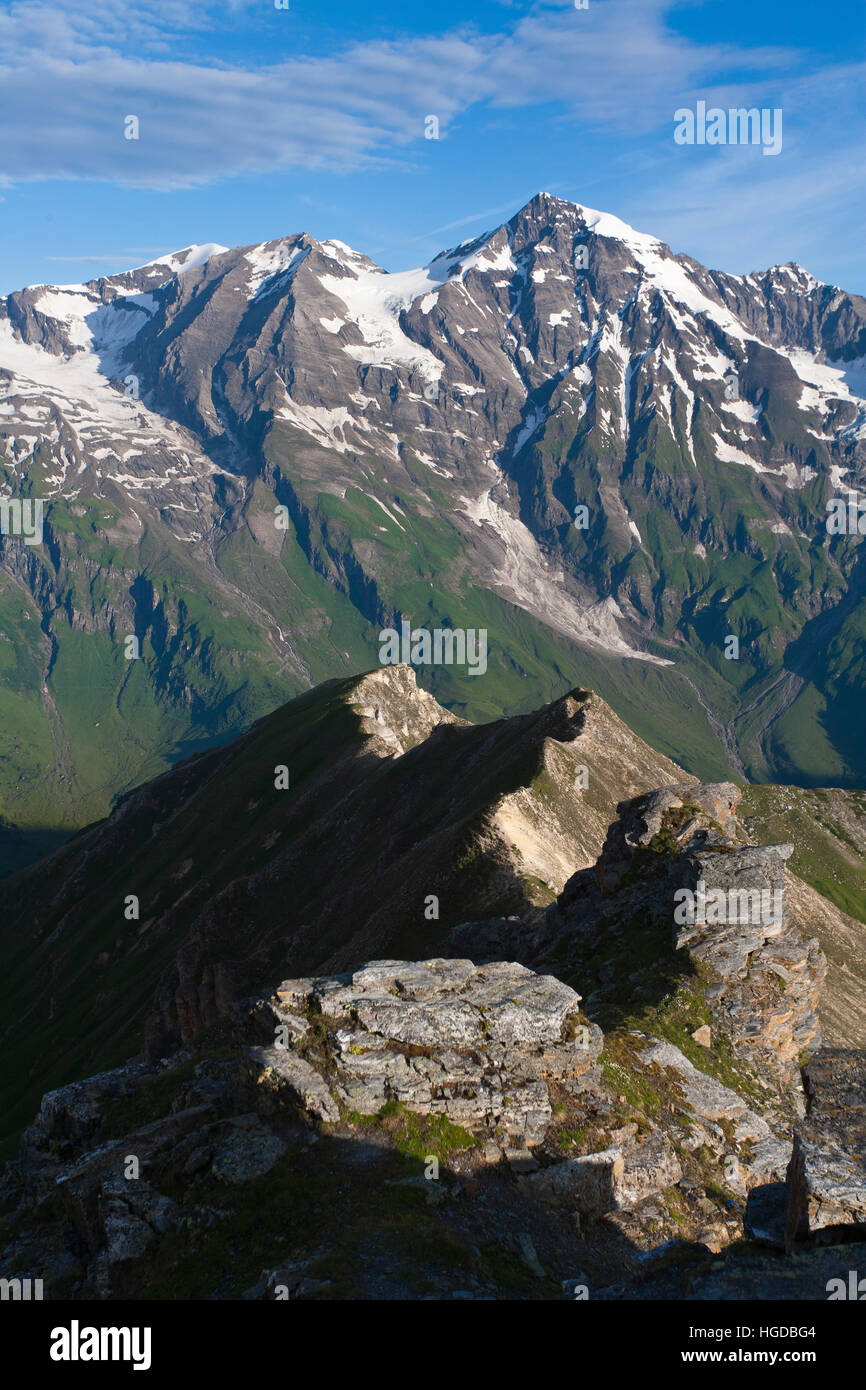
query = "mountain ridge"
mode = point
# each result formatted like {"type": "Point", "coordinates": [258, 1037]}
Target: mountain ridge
{"type": "Point", "coordinates": [210, 898]}
{"type": "Point", "coordinates": [676, 1127]}
{"type": "Point", "coordinates": [255, 463]}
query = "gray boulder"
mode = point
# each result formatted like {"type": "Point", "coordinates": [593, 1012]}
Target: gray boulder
{"type": "Point", "coordinates": [827, 1172]}
{"type": "Point", "coordinates": [478, 1044]}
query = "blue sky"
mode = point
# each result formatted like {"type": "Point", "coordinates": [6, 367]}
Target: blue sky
{"type": "Point", "coordinates": [257, 122]}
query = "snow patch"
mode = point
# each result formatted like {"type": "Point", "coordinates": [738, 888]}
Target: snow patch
{"type": "Point", "coordinates": [374, 301]}
{"type": "Point", "coordinates": [744, 410]}
{"type": "Point", "coordinates": [841, 379]}
{"type": "Point", "coordinates": [729, 454]}
{"type": "Point", "coordinates": [189, 258]}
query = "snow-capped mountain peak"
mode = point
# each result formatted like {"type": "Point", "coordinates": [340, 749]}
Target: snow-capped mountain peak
{"type": "Point", "coordinates": [562, 340]}
{"type": "Point", "coordinates": [187, 258]}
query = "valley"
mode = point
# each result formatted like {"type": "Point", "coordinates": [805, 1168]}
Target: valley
{"type": "Point", "coordinates": [254, 460]}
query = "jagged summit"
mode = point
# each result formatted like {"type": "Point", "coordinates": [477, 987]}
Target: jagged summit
{"type": "Point", "coordinates": [608, 456]}
{"type": "Point", "coordinates": [536, 219]}
{"type": "Point", "coordinates": [543, 206]}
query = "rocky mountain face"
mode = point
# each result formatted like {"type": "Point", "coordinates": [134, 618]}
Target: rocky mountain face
{"type": "Point", "coordinates": [827, 827]}
{"type": "Point", "coordinates": [252, 461]}
{"type": "Point", "coordinates": [472, 1011]}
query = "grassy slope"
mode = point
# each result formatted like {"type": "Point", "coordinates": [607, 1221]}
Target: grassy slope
{"type": "Point", "coordinates": [109, 984]}
{"type": "Point", "coordinates": [828, 829]}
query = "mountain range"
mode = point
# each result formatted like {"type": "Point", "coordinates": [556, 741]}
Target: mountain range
{"type": "Point", "coordinates": [254, 460]}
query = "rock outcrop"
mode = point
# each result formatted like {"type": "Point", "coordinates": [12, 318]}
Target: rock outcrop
{"type": "Point", "coordinates": [480, 1045]}
{"type": "Point", "coordinates": [551, 1142]}
{"type": "Point", "coordinates": [767, 979]}
{"type": "Point", "coordinates": [116, 1170]}
{"type": "Point", "coordinates": [827, 1172]}
{"type": "Point", "coordinates": [475, 1100]}
{"type": "Point", "coordinates": [679, 887]}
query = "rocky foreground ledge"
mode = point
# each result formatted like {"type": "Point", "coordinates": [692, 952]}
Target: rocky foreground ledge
{"type": "Point", "coordinates": [471, 1117]}
{"type": "Point", "coordinates": [480, 1045]}
{"type": "Point", "coordinates": [470, 1125]}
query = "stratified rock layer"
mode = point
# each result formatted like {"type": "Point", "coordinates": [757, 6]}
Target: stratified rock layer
{"type": "Point", "coordinates": [761, 979]}
{"type": "Point", "coordinates": [442, 1037]}
{"type": "Point", "coordinates": [827, 1172]}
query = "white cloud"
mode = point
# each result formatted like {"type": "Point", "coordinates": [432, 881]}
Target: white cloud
{"type": "Point", "coordinates": [70, 76]}
{"type": "Point", "coordinates": [730, 209]}
{"type": "Point", "coordinates": [201, 120]}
